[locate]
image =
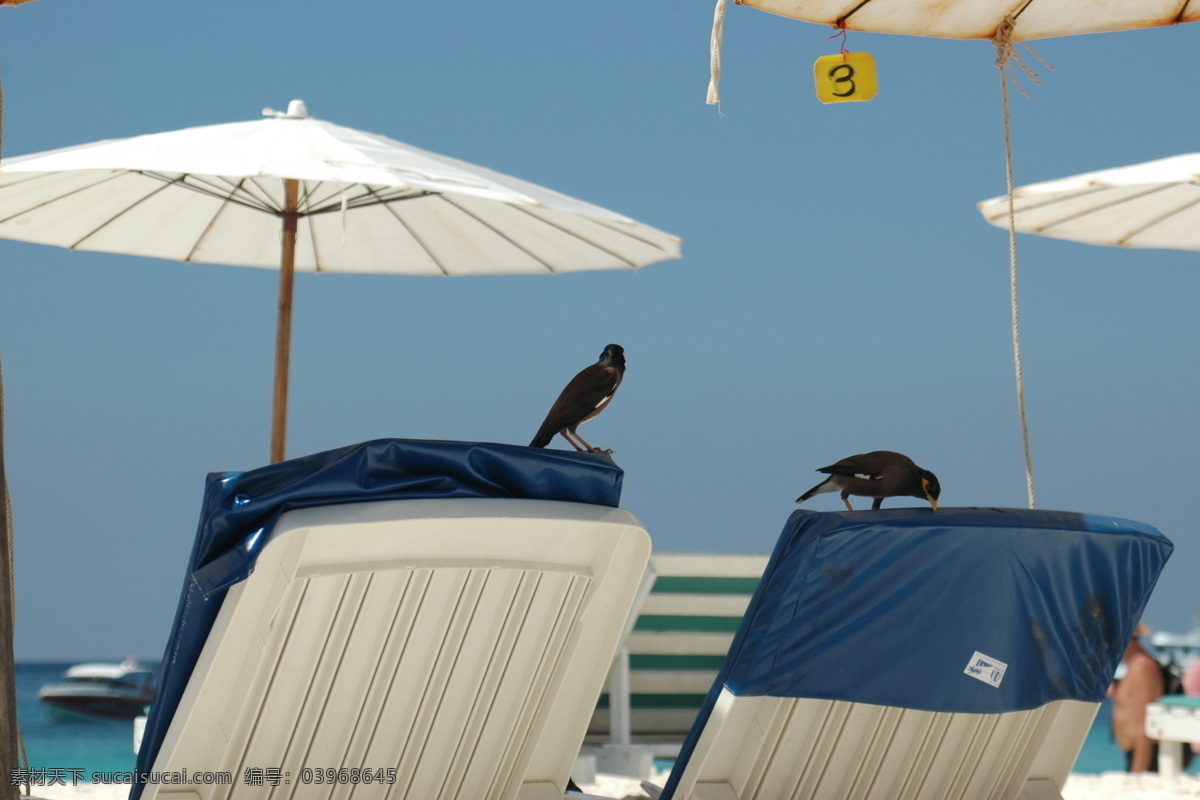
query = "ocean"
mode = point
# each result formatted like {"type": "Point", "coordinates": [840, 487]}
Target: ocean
{"type": "Point", "coordinates": [108, 746]}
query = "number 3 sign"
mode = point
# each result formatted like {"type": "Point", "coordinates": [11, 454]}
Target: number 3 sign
{"type": "Point", "coordinates": [845, 78]}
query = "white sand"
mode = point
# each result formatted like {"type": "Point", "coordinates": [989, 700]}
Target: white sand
{"type": "Point", "coordinates": [1109, 786]}
{"type": "Point", "coordinates": [1122, 786]}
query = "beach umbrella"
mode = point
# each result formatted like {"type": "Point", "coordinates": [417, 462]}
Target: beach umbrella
{"type": "Point", "coordinates": [1003, 23]}
{"type": "Point", "coordinates": [972, 19]}
{"type": "Point", "coordinates": [291, 192]}
{"type": "Point", "coordinates": [1153, 204]}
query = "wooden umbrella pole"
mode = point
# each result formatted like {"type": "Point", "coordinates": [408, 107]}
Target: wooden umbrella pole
{"type": "Point", "coordinates": [283, 329]}
{"type": "Point", "coordinates": [14, 766]}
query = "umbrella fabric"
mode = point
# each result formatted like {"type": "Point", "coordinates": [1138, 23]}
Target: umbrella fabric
{"type": "Point", "coordinates": [1155, 204]}
{"type": "Point", "coordinates": [295, 193]}
{"type": "Point", "coordinates": [367, 204]}
{"type": "Point", "coordinates": [973, 19]}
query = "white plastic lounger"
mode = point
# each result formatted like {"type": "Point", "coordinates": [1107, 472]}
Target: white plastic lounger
{"type": "Point", "coordinates": [767, 747]}
{"type": "Point", "coordinates": [422, 649]}
{"type": "Point", "coordinates": [1174, 721]}
{"type": "Point", "coordinates": [913, 655]}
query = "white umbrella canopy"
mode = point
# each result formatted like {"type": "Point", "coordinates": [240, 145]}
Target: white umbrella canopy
{"type": "Point", "coordinates": [1155, 204]}
{"type": "Point", "coordinates": [981, 19]}
{"type": "Point", "coordinates": [366, 204]}
{"type": "Point", "coordinates": [291, 192]}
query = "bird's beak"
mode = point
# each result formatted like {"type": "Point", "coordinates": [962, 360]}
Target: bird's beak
{"type": "Point", "coordinates": [932, 500]}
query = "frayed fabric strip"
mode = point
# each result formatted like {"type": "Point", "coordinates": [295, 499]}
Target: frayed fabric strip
{"type": "Point", "coordinates": [718, 33]}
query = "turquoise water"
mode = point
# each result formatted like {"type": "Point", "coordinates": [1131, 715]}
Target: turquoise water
{"type": "Point", "coordinates": [1100, 753]}
{"type": "Point", "coordinates": [108, 746]}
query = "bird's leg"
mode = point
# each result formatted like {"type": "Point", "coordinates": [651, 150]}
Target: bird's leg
{"type": "Point", "coordinates": [571, 441]}
{"type": "Point", "coordinates": [590, 448]}
{"type": "Point", "coordinates": [846, 500]}
{"type": "Point", "coordinates": [876, 505]}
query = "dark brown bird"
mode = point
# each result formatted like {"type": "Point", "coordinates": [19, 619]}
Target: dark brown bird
{"type": "Point", "coordinates": [879, 474]}
{"type": "Point", "coordinates": [584, 397]}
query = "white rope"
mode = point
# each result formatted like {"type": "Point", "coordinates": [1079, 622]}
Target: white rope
{"type": "Point", "coordinates": [1004, 52]}
{"type": "Point", "coordinates": [714, 67]}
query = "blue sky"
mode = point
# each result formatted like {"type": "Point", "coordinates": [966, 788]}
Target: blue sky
{"type": "Point", "coordinates": [839, 291]}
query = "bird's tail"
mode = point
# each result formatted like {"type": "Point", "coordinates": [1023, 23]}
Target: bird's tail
{"type": "Point", "coordinates": [818, 489]}
{"type": "Point", "coordinates": [542, 438]}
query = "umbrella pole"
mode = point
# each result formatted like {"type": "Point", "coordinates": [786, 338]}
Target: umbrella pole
{"type": "Point", "coordinates": [283, 328]}
{"type": "Point", "coordinates": [11, 749]}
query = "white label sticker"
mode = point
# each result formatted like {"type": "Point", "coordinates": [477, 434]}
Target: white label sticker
{"type": "Point", "coordinates": [986, 669]}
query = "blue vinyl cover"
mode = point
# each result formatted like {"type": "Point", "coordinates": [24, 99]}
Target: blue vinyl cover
{"type": "Point", "coordinates": [890, 607]}
{"type": "Point", "coordinates": [241, 508]}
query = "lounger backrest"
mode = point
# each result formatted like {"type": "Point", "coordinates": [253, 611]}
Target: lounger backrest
{"type": "Point", "coordinates": [416, 649]}
{"type": "Point", "coordinates": [904, 653]}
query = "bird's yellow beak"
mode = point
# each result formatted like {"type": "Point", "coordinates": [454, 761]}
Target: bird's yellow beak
{"type": "Point", "coordinates": [932, 500]}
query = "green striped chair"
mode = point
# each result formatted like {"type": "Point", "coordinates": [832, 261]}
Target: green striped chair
{"type": "Point", "coordinates": [691, 608]}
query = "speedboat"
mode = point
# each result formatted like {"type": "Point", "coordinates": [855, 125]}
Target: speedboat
{"type": "Point", "coordinates": [101, 691]}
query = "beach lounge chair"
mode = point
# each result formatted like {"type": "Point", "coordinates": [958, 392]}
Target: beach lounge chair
{"type": "Point", "coordinates": [399, 619]}
{"type": "Point", "coordinates": [906, 654]}
{"type": "Point", "coordinates": [1173, 720]}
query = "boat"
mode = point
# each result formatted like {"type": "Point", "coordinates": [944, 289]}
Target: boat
{"type": "Point", "coordinates": [101, 691]}
{"type": "Point", "coordinates": [1176, 649]}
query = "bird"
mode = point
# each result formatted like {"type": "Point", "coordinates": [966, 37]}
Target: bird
{"type": "Point", "coordinates": [877, 474]}
{"type": "Point", "coordinates": [584, 397]}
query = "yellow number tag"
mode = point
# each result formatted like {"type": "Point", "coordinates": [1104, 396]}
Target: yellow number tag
{"type": "Point", "coordinates": [845, 79]}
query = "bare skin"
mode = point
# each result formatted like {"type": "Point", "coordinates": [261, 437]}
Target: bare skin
{"type": "Point", "coordinates": [1141, 685]}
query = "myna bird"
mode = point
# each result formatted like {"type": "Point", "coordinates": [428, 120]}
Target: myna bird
{"type": "Point", "coordinates": [879, 474]}
{"type": "Point", "coordinates": [584, 397]}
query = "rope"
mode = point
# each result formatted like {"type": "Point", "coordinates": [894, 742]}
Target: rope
{"type": "Point", "coordinates": [1005, 55]}
{"type": "Point", "coordinates": [714, 50]}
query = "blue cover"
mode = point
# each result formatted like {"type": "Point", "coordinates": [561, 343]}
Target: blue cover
{"type": "Point", "coordinates": [241, 508]}
{"type": "Point", "coordinates": [890, 607]}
